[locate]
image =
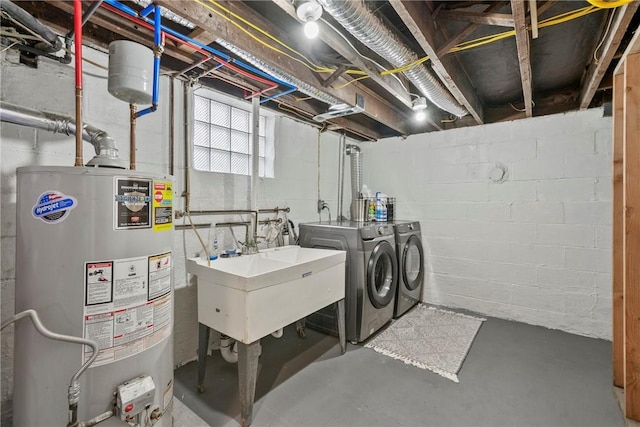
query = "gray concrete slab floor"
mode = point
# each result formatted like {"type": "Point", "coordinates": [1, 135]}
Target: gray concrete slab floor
{"type": "Point", "coordinates": [514, 375]}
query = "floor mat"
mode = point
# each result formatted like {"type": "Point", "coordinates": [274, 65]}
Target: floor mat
{"type": "Point", "coordinates": [430, 338]}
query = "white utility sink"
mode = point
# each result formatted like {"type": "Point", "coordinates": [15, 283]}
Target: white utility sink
{"type": "Point", "coordinates": [251, 296]}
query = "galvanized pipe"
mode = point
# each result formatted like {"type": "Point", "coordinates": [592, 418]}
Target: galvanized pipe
{"type": "Point", "coordinates": [105, 147]}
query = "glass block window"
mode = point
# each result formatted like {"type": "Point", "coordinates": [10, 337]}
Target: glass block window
{"type": "Point", "coordinates": [222, 138]}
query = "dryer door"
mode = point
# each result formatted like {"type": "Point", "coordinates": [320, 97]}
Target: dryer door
{"type": "Point", "coordinates": [412, 263]}
{"type": "Point", "coordinates": [382, 275]}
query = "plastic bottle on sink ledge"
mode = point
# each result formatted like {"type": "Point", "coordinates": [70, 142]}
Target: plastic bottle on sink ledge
{"type": "Point", "coordinates": [212, 245]}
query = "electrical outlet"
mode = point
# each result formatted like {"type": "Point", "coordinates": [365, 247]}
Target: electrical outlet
{"type": "Point", "coordinates": [320, 205]}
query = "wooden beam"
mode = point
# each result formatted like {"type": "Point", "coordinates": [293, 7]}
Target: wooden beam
{"type": "Point", "coordinates": [621, 19]}
{"type": "Point", "coordinates": [631, 184]}
{"type": "Point", "coordinates": [632, 47]}
{"type": "Point", "coordinates": [533, 15]}
{"type": "Point", "coordinates": [466, 31]}
{"type": "Point", "coordinates": [524, 54]}
{"type": "Point", "coordinates": [329, 36]}
{"type": "Point", "coordinates": [418, 20]}
{"type": "Point", "coordinates": [617, 271]}
{"type": "Point", "coordinates": [200, 14]}
{"type": "Point", "coordinates": [333, 77]}
{"type": "Point", "coordinates": [498, 19]}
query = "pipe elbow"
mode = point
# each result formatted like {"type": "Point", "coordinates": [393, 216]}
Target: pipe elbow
{"type": "Point", "coordinates": [229, 349]}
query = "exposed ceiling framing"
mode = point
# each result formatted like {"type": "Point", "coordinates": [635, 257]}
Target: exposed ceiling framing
{"type": "Point", "coordinates": [524, 53]}
{"type": "Point", "coordinates": [568, 66]}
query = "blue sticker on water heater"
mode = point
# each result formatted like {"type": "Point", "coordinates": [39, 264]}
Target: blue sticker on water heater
{"type": "Point", "coordinates": [53, 206]}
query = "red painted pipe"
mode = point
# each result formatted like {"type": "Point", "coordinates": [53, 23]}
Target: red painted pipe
{"type": "Point", "coordinates": [197, 49]}
{"type": "Point", "coordinates": [77, 26]}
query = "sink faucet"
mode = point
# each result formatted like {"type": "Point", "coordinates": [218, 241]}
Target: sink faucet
{"type": "Point", "coordinates": [250, 248]}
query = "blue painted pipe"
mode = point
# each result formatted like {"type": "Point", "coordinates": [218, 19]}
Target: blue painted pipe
{"type": "Point", "coordinates": [278, 95]}
{"type": "Point", "coordinates": [209, 49]}
{"type": "Point", "coordinates": [157, 41]}
{"type": "Point", "coordinates": [147, 10]}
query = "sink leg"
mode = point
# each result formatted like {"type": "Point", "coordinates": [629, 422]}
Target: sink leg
{"type": "Point", "coordinates": [203, 345]}
{"type": "Point", "coordinates": [247, 374]}
{"type": "Point", "coordinates": [341, 332]}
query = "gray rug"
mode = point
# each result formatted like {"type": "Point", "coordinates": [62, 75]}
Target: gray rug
{"type": "Point", "coordinates": [429, 338]}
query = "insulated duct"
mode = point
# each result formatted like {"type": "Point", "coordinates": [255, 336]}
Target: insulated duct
{"type": "Point", "coordinates": [303, 87]}
{"type": "Point", "coordinates": [356, 170]}
{"type": "Point", "coordinates": [106, 151]}
{"type": "Point", "coordinates": [362, 23]}
{"type": "Point", "coordinates": [52, 44]}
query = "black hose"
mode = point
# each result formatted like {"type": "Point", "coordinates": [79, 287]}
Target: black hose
{"type": "Point", "coordinates": [53, 43]}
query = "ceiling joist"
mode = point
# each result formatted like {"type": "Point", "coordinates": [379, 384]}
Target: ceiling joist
{"type": "Point", "coordinates": [594, 74]}
{"type": "Point", "coordinates": [484, 18]}
{"type": "Point", "coordinates": [524, 53]}
{"type": "Point", "coordinates": [417, 17]}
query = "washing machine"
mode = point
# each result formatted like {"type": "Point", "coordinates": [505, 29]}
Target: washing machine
{"type": "Point", "coordinates": [371, 275]}
{"type": "Point", "coordinates": [410, 264]}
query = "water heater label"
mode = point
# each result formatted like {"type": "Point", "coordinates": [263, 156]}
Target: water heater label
{"type": "Point", "coordinates": [127, 305]}
{"type": "Point", "coordinates": [162, 205]}
{"type": "Point", "coordinates": [132, 203]}
{"type": "Point", "coordinates": [53, 206]}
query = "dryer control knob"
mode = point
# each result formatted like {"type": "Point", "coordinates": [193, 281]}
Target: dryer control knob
{"type": "Point", "coordinates": [380, 230]}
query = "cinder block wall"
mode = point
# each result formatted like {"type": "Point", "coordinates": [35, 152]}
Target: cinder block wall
{"type": "Point", "coordinates": [516, 216]}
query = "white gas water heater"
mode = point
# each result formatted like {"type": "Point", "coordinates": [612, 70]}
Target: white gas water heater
{"type": "Point", "coordinates": [94, 260]}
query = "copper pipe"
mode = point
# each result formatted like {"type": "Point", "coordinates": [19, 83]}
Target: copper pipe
{"type": "Point", "coordinates": [79, 156]}
{"type": "Point", "coordinates": [132, 137]}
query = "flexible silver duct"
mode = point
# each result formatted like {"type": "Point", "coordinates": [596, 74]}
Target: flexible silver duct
{"type": "Point", "coordinates": [168, 14]}
{"type": "Point", "coordinates": [106, 151]}
{"type": "Point", "coordinates": [364, 25]}
{"type": "Point", "coordinates": [303, 87]}
{"type": "Point", "coordinates": [356, 170]}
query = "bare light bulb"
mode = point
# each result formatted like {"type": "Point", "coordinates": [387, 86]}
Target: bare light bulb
{"type": "Point", "coordinates": [420, 115]}
{"type": "Point", "coordinates": [311, 29]}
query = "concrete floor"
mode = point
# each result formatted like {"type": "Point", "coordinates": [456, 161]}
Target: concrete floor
{"type": "Point", "coordinates": [514, 375]}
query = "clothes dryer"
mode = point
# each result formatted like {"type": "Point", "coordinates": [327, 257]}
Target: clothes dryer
{"type": "Point", "coordinates": [371, 275]}
{"type": "Point", "coordinates": [410, 264]}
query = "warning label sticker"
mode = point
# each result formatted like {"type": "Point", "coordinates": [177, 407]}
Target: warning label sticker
{"type": "Point", "coordinates": [127, 305]}
{"type": "Point", "coordinates": [159, 275]}
{"type": "Point", "coordinates": [132, 203]}
{"type": "Point", "coordinates": [162, 205]}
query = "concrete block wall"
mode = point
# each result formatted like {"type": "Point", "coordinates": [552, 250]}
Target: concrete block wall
{"type": "Point", "coordinates": [51, 88]}
{"type": "Point", "coordinates": [516, 216]}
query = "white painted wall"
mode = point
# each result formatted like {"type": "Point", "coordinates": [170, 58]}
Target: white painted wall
{"type": "Point", "coordinates": [51, 88]}
{"type": "Point", "coordinates": [535, 248]}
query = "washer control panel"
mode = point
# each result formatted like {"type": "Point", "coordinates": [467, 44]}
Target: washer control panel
{"type": "Point", "coordinates": [376, 230]}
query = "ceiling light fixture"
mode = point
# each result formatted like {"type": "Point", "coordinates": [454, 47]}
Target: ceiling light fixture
{"type": "Point", "coordinates": [419, 105]}
{"type": "Point", "coordinates": [309, 12]}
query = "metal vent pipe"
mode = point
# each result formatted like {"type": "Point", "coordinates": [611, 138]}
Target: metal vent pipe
{"type": "Point", "coordinates": [364, 25]}
{"type": "Point", "coordinates": [105, 146]}
{"type": "Point", "coordinates": [356, 170]}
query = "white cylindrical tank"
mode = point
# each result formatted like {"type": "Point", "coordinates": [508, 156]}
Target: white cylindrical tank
{"type": "Point", "coordinates": [130, 72]}
{"type": "Point", "coordinates": [94, 259]}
